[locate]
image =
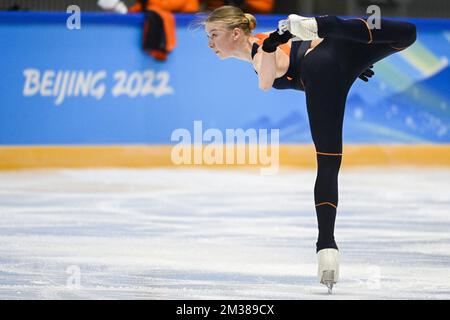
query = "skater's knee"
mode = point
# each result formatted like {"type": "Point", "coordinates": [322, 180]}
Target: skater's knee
{"type": "Point", "coordinates": [328, 165]}
{"type": "Point", "coordinates": [327, 24]}
{"type": "Point", "coordinates": [409, 36]}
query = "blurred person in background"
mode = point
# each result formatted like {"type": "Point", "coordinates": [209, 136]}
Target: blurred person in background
{"type": "Point", "coordinates": [159, 30]}
{"type": "Point", "coordinates": [252, 6]}
{"type": "Point", "coordinates": [186, 6]}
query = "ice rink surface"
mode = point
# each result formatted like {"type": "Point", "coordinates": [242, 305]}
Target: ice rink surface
{"type": "Point", "coordinates": [220, 234]}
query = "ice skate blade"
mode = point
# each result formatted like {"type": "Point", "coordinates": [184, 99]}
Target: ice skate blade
{"type": "Point", "coordinates": [330, 288]}
{"type": "Point", "coordinates": [328, 280]}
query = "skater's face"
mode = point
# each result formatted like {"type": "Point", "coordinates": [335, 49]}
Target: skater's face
{"type": "Point", "coordinates": [223, 41]}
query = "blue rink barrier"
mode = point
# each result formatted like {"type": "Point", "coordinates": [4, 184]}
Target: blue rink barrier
{"type": "Point", "coordinates": [95, 86]}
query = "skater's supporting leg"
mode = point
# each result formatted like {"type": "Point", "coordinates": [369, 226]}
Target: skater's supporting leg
{"type": "Point", "coordinates": [326, 198]}
{"type": "Point", "coordinates": [325, 100]}
{"type": "Point", "coordinates": [328, 73]}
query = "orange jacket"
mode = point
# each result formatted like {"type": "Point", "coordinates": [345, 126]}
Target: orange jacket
{"type": "Point", "coordinates": [252, 6]}
{"type": "Point", "coordinates": [169, 30]}
{"type": "Point", "coordinates": [260, 6]}
{"type": "Point", "coordinates": [169, 5]}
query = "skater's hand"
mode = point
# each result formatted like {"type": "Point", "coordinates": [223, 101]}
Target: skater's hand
{"type": "Point", "coordinates": [368, 73]}
{"type": "Point", "coordinates": [275, 39]}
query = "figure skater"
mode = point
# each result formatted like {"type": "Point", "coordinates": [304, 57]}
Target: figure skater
{"type": "Point", "coordinates": [324, 59]}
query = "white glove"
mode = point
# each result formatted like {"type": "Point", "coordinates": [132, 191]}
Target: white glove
{"type": "Point", "coordinates": [113, 5]}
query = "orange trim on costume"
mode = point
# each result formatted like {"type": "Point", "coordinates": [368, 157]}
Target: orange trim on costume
{"type": "Point", "coordinates": [399, 49]}
{"type": "Point", "coordinates": [285, 47]}
{"type": "Point", "coordinates": [261, 37]}
{"type": "Point", "coordinates": [302, 83]}
{"type": "Point", "coordinates": [368, 28]}
{"type": "Point", "coordinates": [329, 203]}
{"type": "Point", "coordinates": [329, 154]}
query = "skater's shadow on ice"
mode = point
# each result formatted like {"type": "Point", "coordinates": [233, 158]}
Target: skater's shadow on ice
{"type": "Point", "coordinates": [337, 294]}
{"type": "Point", "coordinates": [243, 278]}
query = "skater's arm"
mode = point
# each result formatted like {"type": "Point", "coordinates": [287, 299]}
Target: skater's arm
{"type": "Point", "coordinates": [267, 70]}
{"type": "Point", "coordinates": [270, 62]}
{"type": "Point", "coordinates": [270, 66]}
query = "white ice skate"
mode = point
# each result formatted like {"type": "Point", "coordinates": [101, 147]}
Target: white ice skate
{"type": "Point", "coordinates": [328, 270]}
{"type": "Point", "coordinates": [302, 27]}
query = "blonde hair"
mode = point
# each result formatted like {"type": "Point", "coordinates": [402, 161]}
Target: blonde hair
{"type": "Point", "coordinates": [232, 17]}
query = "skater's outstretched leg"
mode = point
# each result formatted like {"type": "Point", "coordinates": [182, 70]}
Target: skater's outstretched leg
{"type": "Point", "coordinates": [399, 34]}
{"type": "Point", "coordinates": [357, 46]}
{"type": "Point", "coordinates": [353, 43]}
